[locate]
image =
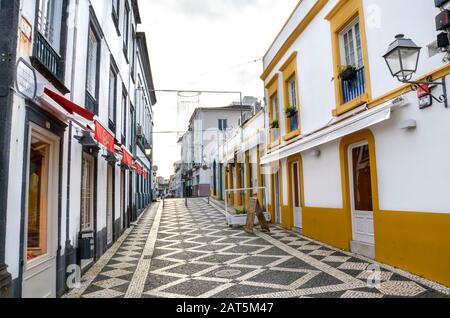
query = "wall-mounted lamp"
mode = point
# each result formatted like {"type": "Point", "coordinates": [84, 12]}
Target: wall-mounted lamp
{"type": "Point", "coordinates": [316, 153]}
{"type": "Point", "coordinates": [408, 124]}
{"type": "Point", "coordinates": [402, 58]}
{"type": "Point", "coordinates": [110, 158]}
{"type": "Point", "coordinates": [86, 140]}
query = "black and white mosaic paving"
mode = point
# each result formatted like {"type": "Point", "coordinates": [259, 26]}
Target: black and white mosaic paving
{"type": "Point", "coordinates": [191, 252]}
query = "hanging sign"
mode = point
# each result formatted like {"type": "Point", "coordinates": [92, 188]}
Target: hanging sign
{"type": "Point", "coordinates": [127, 158]}
{"type": "Point", "coordinates": [26, 79]}
{"type": "Point", "coordinates": [104, 137]}
{"type": "Point", "coordinates": [138, 168]}
{"type": "Point", "coordinates": [423, 93]}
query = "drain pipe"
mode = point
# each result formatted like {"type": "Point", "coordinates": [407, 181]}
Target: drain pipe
{"type": "Point", "coordinates": [69, 149]}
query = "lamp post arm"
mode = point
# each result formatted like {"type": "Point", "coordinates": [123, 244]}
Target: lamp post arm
{"type": "Point", "coordinates": [420, 84]}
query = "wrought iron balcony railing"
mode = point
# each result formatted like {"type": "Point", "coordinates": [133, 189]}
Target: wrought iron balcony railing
{"type": "Point", "coordinates": [354, 88]}
{"type": "Point", "coordinates": [48, 57]}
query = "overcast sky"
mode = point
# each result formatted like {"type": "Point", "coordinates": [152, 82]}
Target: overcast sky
{"type": "Point", "coordinates": [205, 45]}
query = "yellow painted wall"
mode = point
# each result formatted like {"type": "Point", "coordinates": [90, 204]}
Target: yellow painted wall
{"type": "Point", "coordinates": [416, 242]}
{"type": "Point", "coordinates": [287, 218]}
{"type": "Point", "coordinates": [329, 226]}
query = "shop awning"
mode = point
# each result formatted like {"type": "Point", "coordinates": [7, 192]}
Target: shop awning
{"type": "Point", "coordinates": [335, 132]}
{"type": "Point", "coordinates": [139, 169]}
{"type": "Point", "coordinates": [104, 137]}
{"type": "Point", "coordinates": [127, 158]}
{"type": "Point", "coordinates": [69, 106]}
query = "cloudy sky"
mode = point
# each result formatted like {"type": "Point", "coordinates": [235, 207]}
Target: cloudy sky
{"type": "Point", "coordinates": [205, 45]}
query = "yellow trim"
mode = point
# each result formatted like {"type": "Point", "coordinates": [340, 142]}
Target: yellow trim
{"type": "Point", "coordinates": [289, 162]}
{"type": "Point", "coordinates": [318, 6]}
{"type": "Point", "coordinates": [289, 70]}
{"type": "Point", "coordinates": [364, 135]}
{"type": "Point", "coordinates": [260, 176]}
{"type": "Point", "coordinates": [284, 25]}
{"type": "Point", "coordinates": [435, 74]}
{"type": "Point", "coordinates": [247, 167]}
{"type": "Point", "coordinates": [340, 16]}
{"type": "Point", "coordinates": [238, 194]}
{"type": "Point", "coordinates": [292, 135]}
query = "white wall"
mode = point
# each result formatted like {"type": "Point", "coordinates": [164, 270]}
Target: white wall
{"type": "Point", "coordinates": [322, 177]}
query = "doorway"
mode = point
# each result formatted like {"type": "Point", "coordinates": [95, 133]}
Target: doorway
{"type": "Point", "coordinates": [122, 200]}
{"type": "Point", "coordinates": [361, 200]}
{"type": "Point", "coordinates": [296, 195]}
{"type": "Point", "coordinates": [87, 202]}
{"type": "Point", "coordinates": [110, 205]}
{"type": "Point", "coordinates": [41, 217]}
{"type": "Point", "coordinates": [277, 207]}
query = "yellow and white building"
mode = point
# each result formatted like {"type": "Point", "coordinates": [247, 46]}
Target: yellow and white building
{"type": "Point", "coordinates": [358, 165]}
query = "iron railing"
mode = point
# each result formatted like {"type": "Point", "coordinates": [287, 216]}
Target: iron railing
{"type": "Point", "coordinates": [47, 56]}
{"type": "Point", "coordinates": [354, 88]}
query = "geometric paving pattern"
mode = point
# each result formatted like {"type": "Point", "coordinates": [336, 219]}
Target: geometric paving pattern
{"type": "Point", "coordinates": [196, 255]}
{"type": "Point", "coordinates": [116, 275]}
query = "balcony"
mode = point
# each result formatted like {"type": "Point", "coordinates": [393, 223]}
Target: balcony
{"type": "Point", "coordinates": [48, 62]}
{"type": "Point", "coordinates": [351, 89]}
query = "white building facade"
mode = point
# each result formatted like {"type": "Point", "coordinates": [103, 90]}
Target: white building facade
{"type": "Point", "coordinates": [80, 147]}
{"type": "Point", "coordinates": [354, 161]}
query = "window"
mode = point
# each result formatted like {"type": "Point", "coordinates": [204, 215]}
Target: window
{"type": "Point", "coordinates": [275, 118]}
{"type": "Point", "coordinates": [49, 21]}
{"type": "Point", "coordinates": [115, 13]}
{"type": "Point", "coordinates": [350, 60]}
{"type": "Point", "coordinates": [126, 29]}
{"type": "Point", "coordinates": [223, 124]}
{"type": "Point", "coordinates": [124, 117]}
{"type": "Point", "coordinates": [351, 45]}
{"type": "Point", "coordinates": [291, 104]}
{"type": "Point", "coordinates": [362, 182]}
{"type": "Point", "coordinates": [112, 99]}
{"type": "Point", "coordinates": [132, 127]}
{"type": "Point", "coordinates": [133, 53]}
{"type": "Point", "coordinates": [92, 70]}
{"type": "Point", "coordinates": [292, 91]}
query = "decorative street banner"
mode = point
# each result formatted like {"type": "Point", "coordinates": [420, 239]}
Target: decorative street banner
{"type": "Point", "coordinates": [138, 168]}
{"type": "Point", "coordinates": [104, 137]}
{"type": "Point", "coordinates": [127, 158]}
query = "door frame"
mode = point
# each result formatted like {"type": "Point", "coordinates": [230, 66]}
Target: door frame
{"type": "Point", "coordinates": [364, 135]}
{"type": "Point", "coordinates": [290, 161]}
{"type": "Point", "coordinates": [53, 203]}
{"type": "Point", "coordinates": [351, 187]}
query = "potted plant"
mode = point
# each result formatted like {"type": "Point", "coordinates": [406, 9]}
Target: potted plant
{"type": "Point", "coordinates": [348, 73]}
{"type": "Point", "coordinates": [274, 124]}
{"type": "Point", "coordinates": [291, 111]}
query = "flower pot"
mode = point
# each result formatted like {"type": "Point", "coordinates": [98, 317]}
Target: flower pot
{"type": "Point", "coordinates": [348, 74]}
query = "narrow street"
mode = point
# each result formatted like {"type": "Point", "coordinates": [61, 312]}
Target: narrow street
{"type": "Point", "coordinates": [179, 252]}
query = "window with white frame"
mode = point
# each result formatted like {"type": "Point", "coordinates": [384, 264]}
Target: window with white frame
{"type": "Point", "coordinates": [92, 60]}
{"type": "Point", "coordinates": [49, 18]}
{"type": "Point", "coordinates": [351, 47]}
{"type": "Point", "coordinates": [292, 91]}
{"type": "Point", "coordinates": [115, 12]}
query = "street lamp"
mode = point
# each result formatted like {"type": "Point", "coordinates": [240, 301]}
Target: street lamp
{"type": "Point", "coordinates": [402, 58]}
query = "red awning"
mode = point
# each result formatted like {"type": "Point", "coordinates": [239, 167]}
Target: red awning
{"type": "Point", "coordinates": [69, 106]}
{"type": "Point", "coordinates": [104, 137]}
{"type": "Point", "coordinates": [145, 175]}
{"type": "Point", "coordinates": [127, 158]}
{"type": "Point", "coordinates": [138, 168]}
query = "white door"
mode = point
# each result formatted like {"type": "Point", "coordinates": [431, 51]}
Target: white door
{"type": "Point", "coordinates": [276, 181]}
{"type": "Point", "coordinates": [41, 219]}
{"type": "Point", "coordinates": [109, 206]}
{"type": "Point", "coordinates": [361, 193]}
{"type": "Point", "coordinates": [296, 195]}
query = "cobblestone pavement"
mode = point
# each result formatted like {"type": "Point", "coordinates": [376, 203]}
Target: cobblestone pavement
{"type": "Point", "coordinates": [193, 253]}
